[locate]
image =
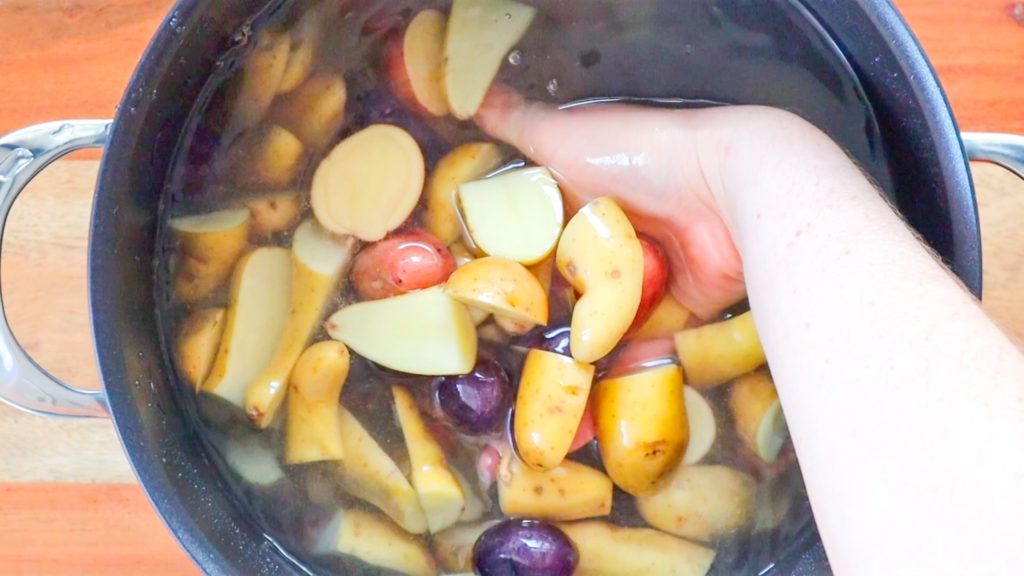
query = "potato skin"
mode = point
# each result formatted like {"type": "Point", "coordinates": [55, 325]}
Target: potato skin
{"type": "Point", "coordinates": [716, 353]}
{"type": "Point", "coordinates": [313, 428]}
{"type": "Point", "coordinates": [700, 502]}
{"type": "Point", "coordinates": [656, 275]}
{"type": "Point", "coordinates": [401, 263]}
{"type": "Point", "coordinates": [208, 257]}
{"type": "Point", "coordinates": [609, 550]}
{"type": "Point", "coordinates": [572, 491]}
{"type": "Point", "coordinates": [275, 213]}
{"type": "Point", "coordinates": [197, 343]}
{"type": "Point", "coordinates": [467, 162]}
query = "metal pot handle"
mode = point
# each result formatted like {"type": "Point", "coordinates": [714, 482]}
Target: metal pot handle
{"type": "Point", "coordinates": [1007, 150]}
{"type": "Point", "coordinates": [23, 154]}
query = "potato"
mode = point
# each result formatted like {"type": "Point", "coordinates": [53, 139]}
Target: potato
{"type": "Point", "coordinates": [462, 257]}
{"type": "Point", "coordinates": [197, 343]}
{"type": "Point", "coordinates": [261, 293]}
{"type": "Point", "coordinates": [552, 396]}
{"type": "Point", "coordinates": [656, 275]}
{"type": "Point", "coordinates": [306, 36]}
{"type": "Point", "coordinates": [468, 162]}
{"type": "Point", "coordinates": [475, 507]}
{"type": "Point", "coordinates": [757, 415]}
{"type": "Point", "coordinates": [503, 287]}
{"type": "Point", "coordinates": [275, 213]}
{"type": "Point", "coordinates": [609, 550]}
{"type": "Point", "coordinates": [716, 353]}
{"type": "Point", "coordinates": [376, 541]}
{"type": "Point", "coordinates": [453, 547]}
{"type": "Point", "coordinates": [313, 112]}
{"type": "Point", "coordinates": [642, 430]}
{"type": "Point", "coordinates": [401, 263]}
{"type": "Point", "coordinates": [210, 244]}
{"type": "Point", "coordinates": [414, 64]}
{"type": "Point", "coordinates": [267, 157]}
{"type": "Point", "coordinates": [261, 75]}
{"type": "Point", "coordinates": [319, 259]}
{"type": "Point", "coordinates": [513, 326]}
{"type": "Point", "coordinates": [313, 428]}
{"type": "Point", "coordinates": [601, 257]}
{"type": "Point", "coordinates": [702, 425]}
{"type": "Point", "coordinates": [699, 502]}
{"type": "Point", "coordinates": [572, 491]}
{"type": "Point", "coordinates": [667, 318]}
{"type": "Point", "coordinates": [439, 491]}
{"type": "Point", "coordinates": [253, 458]}
{"type": "Point", "coordinates": [368, 473]}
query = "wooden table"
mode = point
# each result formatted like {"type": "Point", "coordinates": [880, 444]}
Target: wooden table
{"type": "Point", "coordinates": [68, 500]}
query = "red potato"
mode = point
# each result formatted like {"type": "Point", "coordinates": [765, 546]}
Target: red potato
{"type": "Point", "coordinates": [656, 274]}
{"type": "Point", "coordinates": [414, 64]}
{"type": "Point", "coordinates": [586, 432]}
{"type": "Point", "coordinates": [401, 263]}
{"type": "Point", "coordinates": [638, 355]}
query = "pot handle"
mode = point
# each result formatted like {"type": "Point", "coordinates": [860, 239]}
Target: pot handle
{"type": "Point", "coordinates": [1007, 150]}
{"type": "Point", "coordinates": [23, 154]}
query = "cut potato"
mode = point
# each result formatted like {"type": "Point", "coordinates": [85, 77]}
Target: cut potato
{"type": "Point", "coordinates": [305, 36]}
{"type": "Point", "coordinates": [552, 396]}
{"type": "Point", "coordinates": [468, 162]}
{"type": "Point", "coordinates": [253, 459]}
{"type": "Point", "coordinates": [414, 63]}
{"type": "Point", "coordinates": [424, 332]}
{"type": "Point", "coordinates": [503, 287]}
{"type": "Point", "coordinates": [475, 507]}
{"type": "Point", "coordinates": [439, 492]}
{"type": "Point", "coordinates": [642, 430]}
{"type": "Point", "coordinates": [572, 491]}
{"type": "Point", "coordinates": [197, 344]}
{"type": "Point", "coordinates": [211, 244]}
{"type": "Point", "coordinates": [480, 34]}
{"type": "Point", "coordinates": [260, 78]}
{"type": "Point", "coordinates": [453, 547]}
{"type": "Point", "coordinates": [601, 257]}
{"type": "Point", "coordinates": [703, 427]}
{"type": "Point", "coordinates": [609, 550]}
{"type": "Point", "coordinates": [716, 353]}
{"type": "Point", "coordinates": [275, 213]}
{"type": "Point", "coordinates": [370, 183]}
{"type": "Point", "coordinates": [318, 261]}
{"type": "Point", "coordinates": [513, 326]}
{"type": "Point", "coordinates": [313, 427]}
{"type": "Point", "coordinates": [261, 294]}
{"type": "Point", "coordinates": [757, 414]}
{"type": "Point", "coordinates": [314, 111]}
{"type": "Point", "coordinates": [368, 473]}
{"type": "Point", "coordinates": [668, 317]}
{"type": "Point", "coordinates": [655, 285]}
{"type": "Point", "coordinates": [403, 262]}
{"type": "Point", "coordinates": [270, 157]}
{"type": "Point", "coordinates": [376, 541]}
{"type": "Point", "coordinates": [517, 215]}
{"type": "Point", "coordinates": [700, 502]}
{"type": "Point", "coordinates": [463, 257]}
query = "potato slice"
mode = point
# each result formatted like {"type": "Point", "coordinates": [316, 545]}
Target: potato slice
{"type": "Point", "coordinates": [368, 473]}
{"type": "Point", "coordinates": [703, 428]}
{"type": "Point", "coordinates": [197, 343]}
{"type": "Point", "coordinates": [716, 353]}
{"type": "Point", "coordinates": [517, 215]}
{"type": "Point", "coordinates": [261, 293]}
{"type": "Point", "coordinates": [642, 430]}
{"type": "Point", "coordinates": [440, 493]}
{"type": "Point", "coordinates": [669, 317]}
{"type": "Point", "coordinates": [572, 491]}
{"type": "Point", "coordinates": [453, 547]}
{"type": "Point", "coordinates": [480, 34]}
{"type": "Point", "coordinates": [757, 414]}
{"type": "Point", "coordinates": [261, 75]}
{"type": "Point", "coordinates": [414, 64]}
{"type": "Point", "coordinates": [700, 502]}
{"type": "Point", "coordinates": [552, 396]}
{"type": "Point", "coordinates": [502, 287]}
{"type": "Point", "coordinates": [314, 111]}
{"type": "Point", "coordinates": [609, 550]}
{"type": "Point", "coordinates": [370, 183]}
{"type": "Point", "coordinates": [601, 256]}
{"type": "Point", "coordinates": [275, 213]}
{"type": "Point", "coordinates": [318, 261]}
{"type": "Point", "coordinates": [468, 162]}
{"type": "Point", "coordinates": [424, 332]}
{"type": "Point", "coordinates": [313, 427]}
{"type": "Point", "coordinates": [376, 541]}
{"type": "Point", "coordinates": [211, 244]}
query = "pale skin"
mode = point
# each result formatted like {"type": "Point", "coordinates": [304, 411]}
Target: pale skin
{"type": "Point", "coordinates": [904, 400]}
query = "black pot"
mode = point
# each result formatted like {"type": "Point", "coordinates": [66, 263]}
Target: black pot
{"type": "Point", "coordinates": [858, 54]}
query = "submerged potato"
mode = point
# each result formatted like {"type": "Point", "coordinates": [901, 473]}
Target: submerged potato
{"type": "Point", "coordinates": [261, 76]}
{"type": "Point", "coordinates": [700, 502]}
{"type": "Point", "coordinates": [197, 343]}
{"type": "Point", "coordinates": [313, 428]}
{"type": "Point", "coordinates": [609, 550]}
{"type": "Point", "coordinates": [757, 415]}
{"type": "Point", "coordinates": [314, 111]}
{"type": "Point", "coordinates": [571, 491]}
{"type": "Point", "coordinates": [467, 162]}
{"type": "Point", "coordinates": [377, 542]}
{"type": "Point", "coordinates": [210, 244]}
{"type": "Point", "coordinates": [274, 213]}
{"type": "Point", "coordinates": [716, 353]}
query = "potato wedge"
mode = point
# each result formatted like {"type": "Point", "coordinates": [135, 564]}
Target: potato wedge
{"type": "Point", "coordinates": [757, 415]}
{"type": "Point", "coordinates": [313, 427]}
{"type": "Point", "coordinates": [274, 213]}
{"type": "Point", "coordinates": [376, 541]}
{"type": "Point", "coordinates": [261, 75]}
{"type": "Point", "coordinates": [702, 424]}
{"type": "Point", "coordinates": [453, 547]}
{"type": "Point", "coordinates": [210, 244]}
{"type": "Point", "coordinates": [314, 111]}
{"type": "Point", "coordinates": [601, 256]}
{"type": "Point", "coordinates": [700, 502]}
{"type": "Point", "coordinates": [502, 287]}
{"type": "Point", "coordinates": [609, 550]}
{"type": "Point", "coordinates": [642, 430]}
{"type": "Point", "coordinates": [716, 353]}
{"type": "Point", "coordinates": [197, 343]}
{"type": "Point", "coordinates": [668, 317]}
{"type": "Point", "coordinates": [468, 162]}
{"type": "Point", "coordinates": [414, 64]}
{"type": "Point", "coordinates": [269, 157]}
{"type": "Point", "coordinates": [572, 491]}
{"type": "Point", "coordinates": [552, 396]}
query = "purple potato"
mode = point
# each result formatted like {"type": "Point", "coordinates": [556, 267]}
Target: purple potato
{"type": "Point", "coordinates": [477, 402]}
{"type": "Point", "coordinates": [517, 547]}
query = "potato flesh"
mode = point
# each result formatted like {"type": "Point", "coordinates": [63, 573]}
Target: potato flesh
{"type": "Point", "coordinates": [702, 425]}
{"type": "Point", "coordinates": [669, 317]}
{"type": "Point", "coordinates": [377, 542]}
{"type": "Point", "coordinates": [502, 287]}
{"type": "Point", "coordinates": [572, 491]}
{"type": "Point", "coordinates": [314, 111]}
{"type": "Point", "coordinates": [757, 415]}
{"type": "Point", "coordinates": [270, 157]}
{"type": "Point", "coordinates": [197, 344]}
{"type": "Point", "coordinates": [211, 245]}
{"type": "Point", "coordinates": [716, 353]}
{"type": "Point", "coordinates": [609, 550]}
{"type": "Point", "coordinates": [261, 76]}
{"type": "Point", "coordinates": [423, 55]}
{"type": "Point", "coordinates": [313, 428]}
{"type": "Point", "coordinates": [466, 163]}
{"type": "Point", "coordinates": [699, 502]}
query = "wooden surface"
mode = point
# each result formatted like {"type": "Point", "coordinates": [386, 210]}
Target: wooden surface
{"type": "Point", "coordinates": [68, 502]}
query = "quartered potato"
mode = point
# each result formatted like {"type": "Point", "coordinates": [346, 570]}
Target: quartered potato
{"type": "Point", "coordinates": [703, 426]}
{"type": "Point", "coordinates": [261, 76]}
{"type": "Point", "coordinates": [377, 542]}
{"type": "Point", "coordinates": [210, 246]}
{"type": "Point", "coordinates": [468, 162]}
{"type": "Point", "coordinates": [502, 287]}
{"type": "Point", "coordinates": [274, 213]}
{"type": "Point", "coordinates": [716, 353]}
{"type": "Point", "coordinates": [197, 343]}
{"type": "Point", "coordinates": [609, 550]}
{"type": "Point", "coordinates": [571, 491]}
{"type": "Point", "coordinates": [757, 415]}
{"type": "Point", "coordinates": [700, 502]}
{"type": "Point", "coordinates": [313, 112]}
{"type": "Point", "coordinates": [414, 64]}
{"type": "Point", "coordinates": [313, 427]}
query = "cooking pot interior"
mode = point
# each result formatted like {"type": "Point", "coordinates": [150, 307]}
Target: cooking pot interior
{"type": "Point", "coordinates": [834, 66]}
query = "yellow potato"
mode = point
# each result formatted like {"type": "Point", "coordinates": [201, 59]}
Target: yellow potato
{"type": "Point", "coordinates": [376, 541]}
{"type": "Point", "coordinates": [210, 244]}
{"type": "Point", "coordinates": [513, 326]}
{"type": "Point", "coordinates": [275, 213]}
{"type": "Point", "coordinates": [601, 257]}
{"type": "Point", "coordinates": [275, 157]}
{"type": "Point", "coordinates": [716, 353]}
{"type": "Point", "coordinates": [462, 257]}
{"type": "Point", "coordinates": [572, 491]}
{"type": "Point", "coordinates": [642, 430]}
{"type": "Point", "coordinates": [468, 162]}
{"type": "Point", "coordinates": [757, 415]}
{"type": "Point", "coordinates": [197, 343]}
{"type": "Point", "coordinates": [669, 317]}
{"type": "Point", "coordinates": [699, 502]}
{"type": "Point", "coordinates": [552, 396]}
{"type": "Point", "coordinates": [306, 36]}
{"type": "Point", "coordinates": [314, 111]}
{"type": "Point", "coordinates": [313, 428]}
{"type": "Point", "coordinates": [453, 547]}
{"type": "Point", "coordinates": [261, 75]}
{"type": "Point", "coordinates": [502, 287]}
{"type": "Point", "coordinates": [609, 550]}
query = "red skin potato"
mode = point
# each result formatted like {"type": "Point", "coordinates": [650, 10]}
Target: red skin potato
{"type": "Point", "coordinates": [656, 275]}
{"type": "Point", "coordinates": [401, 263]}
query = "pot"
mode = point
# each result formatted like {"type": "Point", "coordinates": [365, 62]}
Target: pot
{"type": "Point", "coordinates": [873, 90]}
